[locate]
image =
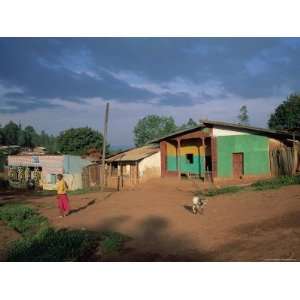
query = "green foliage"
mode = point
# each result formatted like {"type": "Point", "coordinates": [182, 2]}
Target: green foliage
{"type": "Point", "coordinates": [23, 219]}
{"type": "Point", "coordinates": [152, 127]}
{"type": "Point", "coordinates": [40, 242]}
{"type": "Point", "coordinates": [260, 185]}
{"type": "Point", "coordinates": [220, 191]}
{"type": "Point", "coordinates": [2, 160]}
{"type": "Point", "coordinates": [243, 117]}
{"type": "Point", "coordinates": [275, 183]}
{"type": "Point", "coordinates": [190, 124]}
{"type": "Point", "coordinates": [112, 241]}
{"type": "Point", "coordinates": [54, 245]}
{"type": "Point", "coordinates": [28, 137]}
{"type": "Point", "coordinates": [11, 133]}
{"type": "Point", "coordinates": [49, 142]}
{"type": "Point", "coordinates": [287, 114]}
{"type": "Point", "coordinates": [78, 140]}
{"type": "Point", "coordinates": [2, 136]}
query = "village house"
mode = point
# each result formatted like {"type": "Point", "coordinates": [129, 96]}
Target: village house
{"type": "Point", "coordinates": [133, 166]}
{"type": "Point", "coordinates": [43, 169]}
{"type": "Point", "coordinates": [218, 150]}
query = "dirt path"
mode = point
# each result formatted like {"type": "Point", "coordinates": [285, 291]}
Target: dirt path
{"type": "Point", "coordinates": [237, 227]}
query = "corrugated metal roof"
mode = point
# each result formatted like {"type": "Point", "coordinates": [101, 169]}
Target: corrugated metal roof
{"type": "Point", "coordinates": [245, 127]}
{"type": "Point", "coordinates": [176, 133]}
{"type": "Point", "coordinates": [205, 123]}
{"type": "Point", "coordinates": [135, 154]}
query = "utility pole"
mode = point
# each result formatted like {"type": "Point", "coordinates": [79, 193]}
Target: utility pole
{"type": "Point", "coordinates": [102, 178]}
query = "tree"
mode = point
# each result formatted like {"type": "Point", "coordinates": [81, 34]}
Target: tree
{"type": "Point", "coordinates": [190, 124]}
{"type": "Point", "coordinates": [1, 136]}
{"type": "Point", "coordinates": [287, 114]}
{"type": "Point", "coordinates": [28, 137]}
{"type": "Point", "coordinates": [11, 133]}
{"type": "Point", "coordinates": [78, 140]}
{"type": "Point", "coordinates": [152, 127]}
{"type": "Point", "coordinates": [243, 117]}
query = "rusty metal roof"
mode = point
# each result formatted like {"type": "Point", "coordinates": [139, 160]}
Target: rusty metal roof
{"type": "Point", "coordinates": [134, 154]}
{"type": "Point", "coordinates": [210, 123]}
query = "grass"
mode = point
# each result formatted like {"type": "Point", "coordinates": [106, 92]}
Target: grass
{"type": "Point", "coordinates": [259, 185]}
{"type": "Point", "coordinates": [3, 181]}
{"type": "Point", "coordinates": [112, 241]}
{"type": "Point", "coordinates": [40, 242]}
{"type": "Point", "coordinates": [275, 183]}
{"type": "Point", "coordinates": [223, 190]}
{"type": "Point", "coordinates": [22, 218]}
{"type": "Point", "coordinates": [54, 245]}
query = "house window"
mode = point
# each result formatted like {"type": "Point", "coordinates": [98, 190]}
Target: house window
{"type": "Point", "coordinates": [190, 158]}
{"type": "Point", "coordinates": [35, 160]}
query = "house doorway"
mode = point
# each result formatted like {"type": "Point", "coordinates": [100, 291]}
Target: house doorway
{"type": "Point", "coordinates": [238, 165]}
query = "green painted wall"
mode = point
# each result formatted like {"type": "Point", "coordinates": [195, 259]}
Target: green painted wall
{"type": "Point", "coordinates": [171, 163]}
{"type": "Point", "coordinates": [197, 167]}
{"type": "Point", "coordinates": [255, 149]}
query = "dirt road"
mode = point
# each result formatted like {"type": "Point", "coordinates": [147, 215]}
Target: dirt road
{"type": "Point", "coordinates": [246, 226]}
{"type": "Point", "coordinates": [243, 226]}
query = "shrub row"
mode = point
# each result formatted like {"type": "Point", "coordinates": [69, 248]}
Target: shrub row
{"type": "Point", "coordinates": [40, 242]}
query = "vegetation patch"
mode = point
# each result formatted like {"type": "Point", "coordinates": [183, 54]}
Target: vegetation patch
{"type": "Point", "coordinates": [54, 245]}
{"type": "Point", "coordinates": [41, 242]}
{"type": "Point", "coordinates": [220, 191]}
{"type": "Point", "coordinates": [275, 183]}
{"type": "Point", "coordinates": [260, 185]}
{"type": "Point", "coordinates": [22, 218]}
{"type": "Point", "coordinates": [112, 241]}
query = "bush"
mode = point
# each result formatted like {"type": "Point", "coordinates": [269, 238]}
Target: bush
{"type": "Point", "coordinates": [224, 190]}
{"type": "Point", "coordinates": [43, 243]}
{"type": "Point", "coordinates": [54, 245]}
{"type": "Point", "coordinates": [23, 219]}
{"type": "Point", "coordinates": [112, 241]}
{"type": "Point", "coordinates": [275, 183]}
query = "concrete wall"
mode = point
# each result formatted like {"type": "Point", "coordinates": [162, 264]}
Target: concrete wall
{"type": "Point", "coordinates": [255, 149]}
{"type": "Point", "coordinates": [74, 182]}
{"type": "Point", "coordinates": [69, 165]}
{"type": "Point", "coordinates": [150, 167]}
{"type": "Point", "coordinates": [74, 164]}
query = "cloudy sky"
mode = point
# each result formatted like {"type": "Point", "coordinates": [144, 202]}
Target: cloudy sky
{"type": "Point", "coordinates": [55, 84]}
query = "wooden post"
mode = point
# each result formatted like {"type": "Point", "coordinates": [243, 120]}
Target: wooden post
{"type": "Point", "coordinates": [213, 144]}
{"type": "Point", "coordinates": [178, 158]}
{"type": "Point", "coordinates": [204, 161]}
{"type": "Point", "coordinates": [102, 179]}
{"type": "Point", "coordinates": [163, 157]}
{"type": "Point", "coordinates": [137, 172]}
{"type": "Point", "coordinates": [295, 155]}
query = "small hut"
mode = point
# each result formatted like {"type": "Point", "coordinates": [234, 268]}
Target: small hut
{"type": "Point", "coordinates": [133, 166]}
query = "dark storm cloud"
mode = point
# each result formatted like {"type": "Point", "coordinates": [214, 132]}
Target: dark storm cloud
{"type": "Point", "coordinates": [75, 69]}
{"type": "Point", "coordinates": [20, 66]}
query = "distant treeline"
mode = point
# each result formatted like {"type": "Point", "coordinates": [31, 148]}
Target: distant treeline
{"type": "Point", "coordinates": [27, 137]}
{"type": "Point", "coordinates": [76, 141]}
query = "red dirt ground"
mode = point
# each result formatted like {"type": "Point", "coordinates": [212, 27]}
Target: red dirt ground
{"type": "Point", "coordinates": [246, 226]}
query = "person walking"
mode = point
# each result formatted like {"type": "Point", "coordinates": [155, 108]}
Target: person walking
{"type": "Point", "coordinates": [62, 197]}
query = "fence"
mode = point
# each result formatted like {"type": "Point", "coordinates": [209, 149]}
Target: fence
{"type": "Point", "coordinates": [91, 176]}
{"type": "Point", "coordinates": [283, 161]}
